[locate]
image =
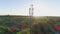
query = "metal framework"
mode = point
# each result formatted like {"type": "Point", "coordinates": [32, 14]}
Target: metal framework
{"type": "Point", "coordinates": [31, 9]}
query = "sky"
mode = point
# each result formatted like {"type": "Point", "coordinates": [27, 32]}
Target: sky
{"type": "Point", "coordinates": [21, 7]}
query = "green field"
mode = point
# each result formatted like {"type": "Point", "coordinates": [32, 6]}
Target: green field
{"type": "Point", "coordinates": [21, 24]}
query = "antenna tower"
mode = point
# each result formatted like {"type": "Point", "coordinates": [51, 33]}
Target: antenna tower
{"type": "Point", "coordinates": [31, 9]}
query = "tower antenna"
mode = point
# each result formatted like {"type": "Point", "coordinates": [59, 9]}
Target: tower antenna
{"type": "Point", "coordinates": [31, 9]}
